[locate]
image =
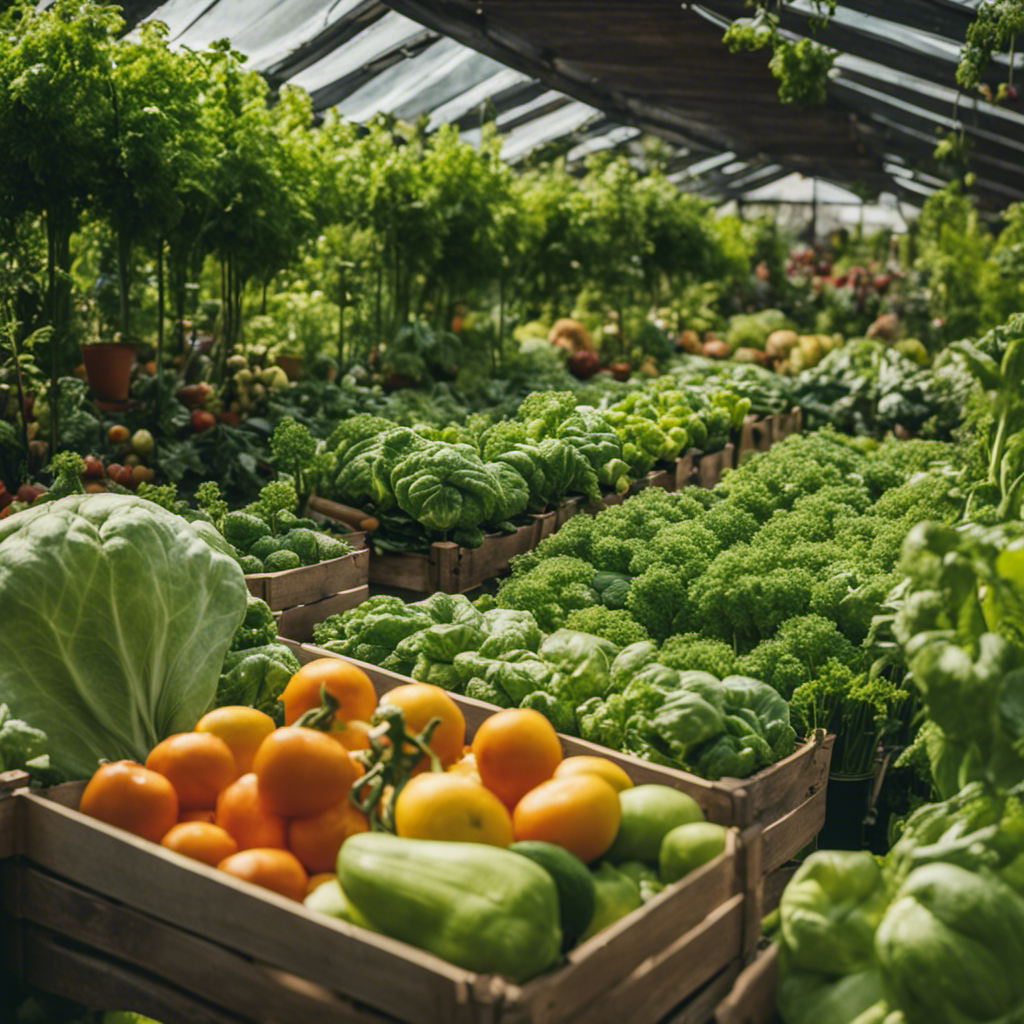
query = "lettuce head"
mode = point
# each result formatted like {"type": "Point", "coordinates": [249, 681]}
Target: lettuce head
{"type": "Point", "coordinates": [115, 616]}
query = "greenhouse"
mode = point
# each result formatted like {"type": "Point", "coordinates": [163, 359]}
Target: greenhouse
{"type": "Point", "coordinates": [511, 512]}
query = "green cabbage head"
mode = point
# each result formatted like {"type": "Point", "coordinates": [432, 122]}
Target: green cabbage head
{"type": "Point", "coordinates": [951, 948]}
{"type": "Point", "coordinates": [115, 617]}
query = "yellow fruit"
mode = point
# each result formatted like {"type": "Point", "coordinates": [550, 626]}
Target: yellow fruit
{"type": "Point", "coordinates": [452, 808]}
{"type": "Point", "coordinates": [615, 776]}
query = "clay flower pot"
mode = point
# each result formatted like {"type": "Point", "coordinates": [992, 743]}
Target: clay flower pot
{"type": "Point", "coordinates": [108, 368]}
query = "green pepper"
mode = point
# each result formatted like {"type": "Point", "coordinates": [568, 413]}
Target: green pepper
{"type": "Point", "coordinates": [479, 907]}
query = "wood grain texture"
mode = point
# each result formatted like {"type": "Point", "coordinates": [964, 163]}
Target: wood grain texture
{"type": "Point", "coordinates": [297, 623]}
{"type": "Point", "coordinates": [310, 583]}
{"type": "Point", "coordinates": [786, 837]}
{"type": "Point", "coordinates": [752, 999]}
{"type": "Point", "coordinates": [380, 972]}
{"type": "Point", "coordinates": [711, 465]}
{"type": "Point", "coordinates": [9, 783]}
{"type": "Point", "coordinates": [205, 969]}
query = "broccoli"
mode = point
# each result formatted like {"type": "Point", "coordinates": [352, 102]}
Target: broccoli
{"type": "Point", "coordinates": [691, 652]}
{"type": "Point", "coordinates": [67, 469]}
{"type": "Point", "coordinates": [20, 742]}
{"type": "Point", "coordinates": [687, 547]}
{"type": "Point", "coordinates": [211, 501]}
{"type": "Point", "coordinates": [730, 523]}
{"type": "Point", "coordinates": [615, 625]}
{"type": "Point", "coordinates": [259, 626]}
{"type": "Point", "coordinates": [274, 498]}
{"type": "Point", "coordinates": [556, 587]}
{"type": "Point", "coordinates": [658, 600]}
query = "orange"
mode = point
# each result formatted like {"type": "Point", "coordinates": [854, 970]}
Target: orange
{"type": "Point", "coordinates": [420, 702]}
{"type": "Point", "coordinates": [580, 813]}
{"type": "Point", "coordinates": [242, 729]}
{"type": "Point", "coordinates": [450, 807]}
{"type": "Point", "coordinates": [348, 684]}
{"type": "Point", "coordinates": [131, 797]}
{"type": "Point", "coordinates": [615, 776]}
{"type": "Point", "coordinates": [302, 772]}
{"type": "Point", "coordinates": [317, 840]}
{"type": "Point", "coordinates": [516, 750]}
{"type": "Point", "coordinates": [197, 764]}
{"type": "Point", "coordinates": [250, 822]}
{"type": "Point", "coordinates": [208, 816]}
{"type": "Point", "coordinates": [353, 735]}
{"type": "Point", "coordinates": [277, 870]}
{"type": "Point", "coordinates": [466, 766]}
{"type": "Point", "coordinates": [201, 841]}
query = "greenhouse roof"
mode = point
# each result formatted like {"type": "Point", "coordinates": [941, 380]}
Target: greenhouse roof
{"type": "Point", "coordinates": [596, 74]}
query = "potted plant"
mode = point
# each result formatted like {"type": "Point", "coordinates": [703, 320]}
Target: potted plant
{"type": "Point", "coordinates": [108, 367]}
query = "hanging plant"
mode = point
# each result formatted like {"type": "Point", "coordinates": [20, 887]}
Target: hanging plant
{"type": "Point", "coordinates": [801, 67]}
{"type": "Point", "coordinates": [993, 31]}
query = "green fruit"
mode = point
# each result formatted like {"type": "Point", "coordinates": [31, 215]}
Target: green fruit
{"type": "Point", "coordinates": [649, 813]}
{"type": "Point", "coordinates": [689, 847]}
{"type": "Point", "coordinates": [575, 885]}
{"type": "Point", "coordinates": [330, 899]}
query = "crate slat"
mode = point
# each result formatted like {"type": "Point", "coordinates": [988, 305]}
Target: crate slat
{"type": "Point", "coordinates": [297, 623]}
{"type": "Point", "coordinates": [752, 999]}
{"type": "Point", "coordinates": [654, 988]}
{"type": "Point", "coordinates": [9, 782]}
{"type": "Point", "coordinates": [700, 1008]}
{"type": "Point", "coordinates": [309, 583]}
{"type": "Point", "coordinates": [711, 465]}
{"type": "Point", "coordinates": [372, 969]}
{"type": "Point", "coordinates": [791, 833]}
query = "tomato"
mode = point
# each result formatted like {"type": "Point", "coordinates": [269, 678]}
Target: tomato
{"type": "Point", "coordinates": [201, 841]}
{"type": "Point", "coordinates": [113, 469]}
{"type": "Point", "coordinates": [124, 476]}
{"type": "Point", "coordinates": [206, 815]}
{"type": "Point", "coordinates": [453, 808]}
{"type": "Point", "coordinates": [243, 729]}
{"type": "Point", "coordinates": [316, 840]}
{"type": "Point", "coordinates": [198, 764]}
{"type": "Point", "coordinates": [579, 812]}
{"type": "Point", "coordinates": [129, 796]}
{"type": "Point", "coordinates": [242, 812]}
{"type": "Point", "coordinates": [94, 468]}
{"type": "Point", "coordinates": [301, 772]}
{"type": "Point", "coordinates": [420, 702]}
{"type": "Point", "coordinates": [142, 475]}
{"type": "Point", "coordinates": [202, 420]}
{"type": "Point", "coordinates": [348, 684]}
{"type": "Point", "coordinates": [118, 434]}
{"type": "Point", "coordinates": [515, 751]}
{"type": "Point", "coordinates": [355, 735]}
{"type": "Point", "coordinates": [277, 870]}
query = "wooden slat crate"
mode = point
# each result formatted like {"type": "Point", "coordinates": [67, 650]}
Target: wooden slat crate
{"type": "Point", "coordinates": [787, 800]}
{"type": "Point", "coordinates": [297, 623]}
{"type": "Point", "coordinates": [755, 436]}
{"type": "Point", "coordinates": [111, 920]}
{"type": "Point", "coordinates": [711, 465]}
{"type": "Point", "coordinates": [752, 999]}
{"type": "Point", "coordinates": [310, 583]}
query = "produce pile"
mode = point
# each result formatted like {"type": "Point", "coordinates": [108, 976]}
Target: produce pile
{"type": "Point", "coordinates": [377, 813]}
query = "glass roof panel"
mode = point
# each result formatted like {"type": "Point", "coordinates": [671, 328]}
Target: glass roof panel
{"type": "Point", "coordinates": [462, 104]}
{"type": "Point", "coordinates": [606, 140]}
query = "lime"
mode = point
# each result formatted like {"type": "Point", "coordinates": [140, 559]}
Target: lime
{"type": "Point", "coordinates": [688, 847]}
{"type": "Point", "coordinates": [649, 813]}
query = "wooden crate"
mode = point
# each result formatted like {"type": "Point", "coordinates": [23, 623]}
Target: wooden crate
{"type": "Point", "coordinates": [297, 623]}
{"type": "Point", "coordinates": [786, 800]}
{"type": "Point", "coordinates": [711, 465]}
{"type": "Point", "coordinates": [452, 569]}
{"type": "Point", "coordinates": [752, 999]}
{"type": "Point", "coordinates": [309, 583]}
{"type": "Point", "coordinates": [755, 436]}
{"type": "Point", "coordinates": [110, 920]}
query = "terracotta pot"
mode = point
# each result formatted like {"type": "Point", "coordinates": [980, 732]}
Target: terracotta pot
{"type": "Point", "coordinates": [108, 369]}
{"type": "Point", "coordinates": [292, 366]}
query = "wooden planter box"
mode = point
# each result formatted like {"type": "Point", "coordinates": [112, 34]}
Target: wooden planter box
{"type": "Point", "coordinates": [452, 569]}
{"type": "Point", "coordinates": [786, 423]}
{"type": "Point", "coordinates": [97, 915]}
{"type": "Point", "coordinates": [300, 598]}
{"type": "Point", "coordinates": [711, 465]}
{"type": "Point", "coordinates": [755, 436]}
{"type": "Point", "coordinates": [752, 999]}
{"type": "Point", "coordinates": [786, 800]}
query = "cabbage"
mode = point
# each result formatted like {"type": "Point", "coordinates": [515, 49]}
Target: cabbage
{"type": "Point", "coordinates": [116, 616]}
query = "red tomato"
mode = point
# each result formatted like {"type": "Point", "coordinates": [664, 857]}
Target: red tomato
{"type": "Point", "coordinates": [93, 467]}
{"type": "Point", "coordinates": [202, 420]}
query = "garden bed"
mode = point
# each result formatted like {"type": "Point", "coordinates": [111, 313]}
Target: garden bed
{"type": "Point", "coordinates": [786, 800]}
{"type": "Point", "coordinates": [107, 919]}
{"type": "Point", "coordinates": [300, 598]}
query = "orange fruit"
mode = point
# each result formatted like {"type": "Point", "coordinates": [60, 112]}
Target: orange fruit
{"type": "Point", "coordinates": [208, 816]}
{"type": "Point", "coordinates": [420, 702]}
{"type": "Point", "coordinates": [302, 772]}
{"type": "Point", "coordinates": [315, 881]}
{"type": "Point", "coordinates": [348, 684]}
{"type": "Point", "coordinates": [201, 841]}
{"type": "Point", "coordinates": [615, 776]}
{"type": "Point", "coordinates": [580, 813]}
{"type": "Point", "coordinates": [242, 729]}
{"type": "Point", "coordinates": [515, 751]}
{"type": "Point", "coordinates": [450, 807]}
{"type": "Point", "coordinates": [129, 796]}
{"type": "Point", "coordinates": [277, 870]}
{"type": "Point", "coordinates": [317, 840]}
{"type": "Point", "coordinates": [242, 813]}
{"type": "Point", "coordinates": [466, 766]}
{"type": "Point", "coordinates": [197, 764]}
{"type": "Point", "coordinates": [353, 735]}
